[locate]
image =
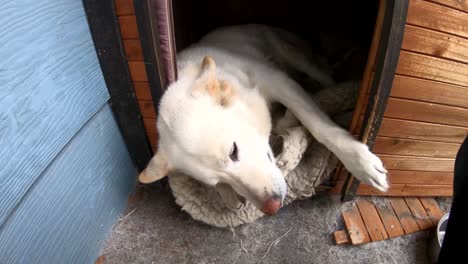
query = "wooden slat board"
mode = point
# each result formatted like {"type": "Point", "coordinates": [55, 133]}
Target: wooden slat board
{"type": "Point", "coordinates": [355, 226]}
{"type": "Point", "coordinates": [408, 190]}
{"type": "Point", "coordinates": [435, 43]}
{"type": "Point", "coordinates": [429, 91]}
{"type": "Point", "coordinates": [150, 126]}
{"type": "Point", "coordinates": [133, 49]}
{"type": "Point", "coordinates": [128, 27]}
{"type": "Point", "coordinates": [419, 213]}
{"type": "Point", "coordinates": [427, 112]}
{"type": "Point", "coordinates": [421, 177]}
{"type": "Point", "coordinates": [441, 18]}
{"type": "Point", "coordinates": [147, 109]}
{"type": "Point", "coordinates": [142, 91]}
{"type": "Point", "coordinates": [124, 7]}
{"type": "Point", "coordinates": [371, 219]}
{"type": "Point", "coordinates": [432, 68]}
{"type": "Point", "coordinates": [417, 163]}
{"type": "Point", "coordinates": [421, 130]}
{"type": "Point", "coordinates": [456, 4]}
{"type": "Point", "coordinates": [413, 147]}
{"type": "Point", "coordinates": [387, 218]}
{"type": "Point", "coordinates": [138, 71]}
{"type": "Point", "coordinates": [404, 215]}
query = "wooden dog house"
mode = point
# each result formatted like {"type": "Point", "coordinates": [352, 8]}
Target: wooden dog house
{"type": "Point", "coordinates": [413, 101]}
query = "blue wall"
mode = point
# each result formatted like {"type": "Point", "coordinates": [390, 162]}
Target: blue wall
{"type": "Point", "coordinates": [65, 173]}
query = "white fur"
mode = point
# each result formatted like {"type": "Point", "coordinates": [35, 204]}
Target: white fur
{"type": "Point", "coordinates": [197, 133]}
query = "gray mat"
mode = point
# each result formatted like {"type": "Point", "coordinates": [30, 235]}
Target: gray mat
{"type": "Point", "coordinates": [157, 231]}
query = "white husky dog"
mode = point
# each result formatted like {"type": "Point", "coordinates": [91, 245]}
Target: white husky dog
{"type": "Point", "coordinates": [214, 122]}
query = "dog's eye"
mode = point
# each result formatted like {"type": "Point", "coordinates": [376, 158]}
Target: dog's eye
{"type": "Point", "coordinates": [234, 154]}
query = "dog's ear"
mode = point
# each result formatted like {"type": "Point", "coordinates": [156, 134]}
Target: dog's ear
{"type": "Point", "coordinates": [222, 91]}
{"type": "Point", "coordinates": [157, 168]}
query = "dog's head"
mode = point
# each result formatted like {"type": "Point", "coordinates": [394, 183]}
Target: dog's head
{"type": "Point", "coordinates": [216, 129]}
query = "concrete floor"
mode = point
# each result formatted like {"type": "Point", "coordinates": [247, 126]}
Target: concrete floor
{"type": "Point", "coordinates": [157, 231]}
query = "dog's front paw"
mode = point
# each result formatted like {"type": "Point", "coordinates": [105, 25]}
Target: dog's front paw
{"type": "Point", "coordinates": [366, 167]}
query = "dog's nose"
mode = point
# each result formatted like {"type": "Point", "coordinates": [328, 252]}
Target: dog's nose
{"type": "Point", "coordinates": [271, 206]}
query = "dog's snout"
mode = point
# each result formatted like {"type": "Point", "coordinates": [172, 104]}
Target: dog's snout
{"type": "Point", "coordinates": [272, 205]}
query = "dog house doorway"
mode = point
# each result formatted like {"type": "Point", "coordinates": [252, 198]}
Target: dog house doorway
{"type": "Point", "coordinates": [356, 40]}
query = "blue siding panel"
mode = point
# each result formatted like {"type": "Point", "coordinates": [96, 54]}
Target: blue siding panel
{"type": "Point", "coordinates": [66, 214]}
{"type": "Point", "coordinates": [50, 86]}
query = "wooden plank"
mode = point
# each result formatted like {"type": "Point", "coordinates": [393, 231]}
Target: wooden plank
{"type": "Point", "coordinates": [138, 71]}
{"type": "Point", "coordinates": [372, 220]}
{"type": "Point", "coordinates": [72, 207]}
{"type": "Point", "coordinates": [341, 237]}
{"type": "Point", "coordinates": [426, 112]}
{"type": "Point", "coordinates": [108, 44]}
{"type": "Point", "coordinates": [404, 215]}
{"type": "Point", "coordinates": [142, 91]}
{"type": "Point", "coordinates": [124, 7]}
{"type": "Point", "coordinates": [147, 109]}
{"type": "Point", "coordinates": [456, 4]}
{"type": "Point", "coordinates": [355, 226]}
{"type": "Point", "coordinates": [421, 177]}
{"type": "Point", "coordinates": [413, 147]}
{"type": "Point", "coordinates": [435, 43]}
{"type": "Point", "coordinates": [408, 190]}
{"type": "Point", "coordinates": [441, 18]}
{"type": "Point", "coordinates": [432, 209]}
{"type": "Point", "coordinates": [150, 127]}
{"type": "Point", "coordinates": [389, 218]}
{"type": "Point", "coordinates": [419, 213]}
{"type": "Point", "coordinates": [128, 27]}
{"type": "Point", "coordinates": [420, 130]}
{"type": "Point", "coordinates": [51, 86]}
{"type": "Point", "coordinates": [133, 49]}
{"type": "Point", "coordinates": [417, 163]}
{"type": "Point", "coordinates": [432, 68]}
{"type": "Point", "coordinates": [429, 91]}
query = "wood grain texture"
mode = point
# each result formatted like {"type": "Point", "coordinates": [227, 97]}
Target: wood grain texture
{"type": "Point", "coordinates": [408, 190]}
{"type": "Point", "coordinates": [124, 7]}
{"type": "Point", "coordinates": [432, 68]}
{"type": "Point", "coordinates": [128, 27]}
{"type": "Point", "coordinates": [138, 71]}
{"type": "Point", "coordinates": [441, 18]}
{"type": "Point", "coordinates": [456, 4]}
{"type": "Point", "coordinates": [341, 237]}
{"type": "Point", "coordinates": [147, 109]}
{"type": "Point", "coordinates": [51, 85]}
{"type": "Point", "coordinates": [412, 147]}
{"type": "Point", "coordinates": [404, 215]}
{"type": "Point", "coordinates": [420, 130]}
{"type": "Point", "coordinates": [420, 177]}
{"type": "Point", "coordinates": [435, 43]}
{"type": "Point", "coordinates": [69, 212]}
{"type": "Point", "coordinates": [133, 49]}
{"type": "Point", "coordinates": [389, 218]}
{"type": "Point", "coordinates": [355, 227]}
{"type": "Point", "coordinates": [392, 162]}
{"type": "Point", "coordinates": [371, 219]}
{"type": "Point", "coordinates": [432, 209]}
{"type": "Point", "coordinates": [429, 91]}
{"type": "Point", "coordinates": [142, 91]}
{"type": "Point", "coordinates": [427, 112]}
{"type": "Point", "coordinates": [419, 213]}
{"type": "Point", "coordinates": [150, 126]}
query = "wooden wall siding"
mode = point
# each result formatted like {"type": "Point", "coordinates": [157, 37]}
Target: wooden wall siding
{"type": "Point", "coordinates": [51, 85]}
{"type": "Point", "coordinates": [129, 30]}
{"type": "Point", "coordinates": [427, 115]}
{"type": "Point", "coordinates": [66, 216]}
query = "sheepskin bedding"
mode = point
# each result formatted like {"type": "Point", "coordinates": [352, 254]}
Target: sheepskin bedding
{"type": "Point", "coordinates": [304, 162]}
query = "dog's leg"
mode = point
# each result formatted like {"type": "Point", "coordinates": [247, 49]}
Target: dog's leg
{"type": "Point", "coordinates": [355, 156]}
